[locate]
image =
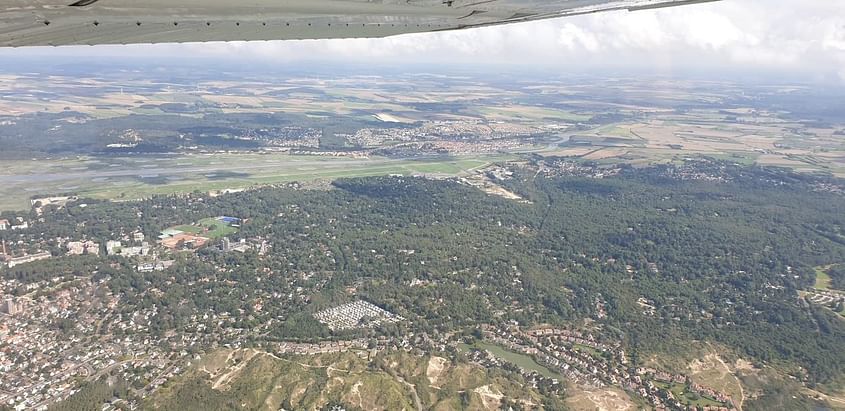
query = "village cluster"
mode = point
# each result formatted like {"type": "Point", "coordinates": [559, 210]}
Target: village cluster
{"type": "Point", "coordinates": [832, 299]}
{"type": "Point", "coordinates": [457, 130]}
{"type": "Point", "coordinates": [40, 365]}
{"type": "Point", "coordinates": [584, 360]}
{"type": "Point", "coordinates": [133, 245]}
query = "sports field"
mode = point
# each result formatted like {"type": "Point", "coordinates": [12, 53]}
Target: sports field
{"type": "Point", "coordinates": [208, 227]}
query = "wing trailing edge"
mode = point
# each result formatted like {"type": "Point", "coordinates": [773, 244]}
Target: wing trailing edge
{"type": "Point", "coordinates": [92, 22]}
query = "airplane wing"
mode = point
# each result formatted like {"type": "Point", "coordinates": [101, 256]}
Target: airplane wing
{"type": "Point", "coordinates": [80, 22]}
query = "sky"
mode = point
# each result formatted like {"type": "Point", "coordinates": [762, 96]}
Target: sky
{"type": "Point", "coordinates": [794, 38]}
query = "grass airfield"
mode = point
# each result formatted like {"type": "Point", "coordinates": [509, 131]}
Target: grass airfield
{"type": "Point", "coordinates": [132, 178]}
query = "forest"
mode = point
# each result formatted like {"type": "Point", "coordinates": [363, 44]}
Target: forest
{"type": "Point", "coordinates": [719, 261]}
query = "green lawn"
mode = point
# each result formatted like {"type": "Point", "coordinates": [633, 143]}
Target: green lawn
{"type": "Point", "coordinates": [589, 350]}
{"type": "Point", "coordinates": [822, 279]}
{"type": "Point", "coordinates": [688, 398]}
{"type": "Point", "coordinates": [180, 175]}
{"type": "Point", "coordinates": [191, 229]}
{"type": "Point", "coordinates": [452, 167]}
{"type": "Point", "coordinates": [616, 131]}
{"type": "Point", "coordinates": [220, 229]}
{"type": "Point", "coordinates": [692, 399]}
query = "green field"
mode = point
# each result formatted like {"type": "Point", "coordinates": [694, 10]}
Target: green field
{"type": "Point", "coordinates": [822, 279]}
{"type": "Point", "coordinates": [192, 229]}
{"type": "Point", "coordinates": [202, 228]}
{"type": "Point", "coordinates": [616, 131]}
{"type": "Point", "coordinates": [221, 229]}
{"type": "Point", "coordinates": [589, 350]}
{"type": "Point", "coordinates": [123, 178]}
{"type": "Point", "coordinates": [688, 398]}
{"type": "Point", "coordinates": [747, 159]}
{"type": "Point", "coordinates": [531, 113]}
{"type": "Point", "coordinates": [520, 360]}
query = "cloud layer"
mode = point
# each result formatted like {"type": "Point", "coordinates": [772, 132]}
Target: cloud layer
{"type": "Point", "coordinates": [804, 38]}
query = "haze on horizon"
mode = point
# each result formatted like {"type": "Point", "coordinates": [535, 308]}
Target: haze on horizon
{"type": "Point", "coordinates": [798, 40]}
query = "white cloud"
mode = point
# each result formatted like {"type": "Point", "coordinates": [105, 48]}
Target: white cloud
{"type": "Point", "coordinates": [800, 37]}
{"type": "Point", "coordinates": [575, 39]}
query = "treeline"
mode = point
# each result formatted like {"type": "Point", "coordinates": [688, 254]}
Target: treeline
{"type": "Point", "coordinates": [837, 276]}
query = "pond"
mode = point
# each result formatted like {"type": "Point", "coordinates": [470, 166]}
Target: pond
{"type": "Point", "coordinates": [521, 360]}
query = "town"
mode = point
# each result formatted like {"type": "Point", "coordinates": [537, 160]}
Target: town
{"type": "Point", "coordinates": [142, 303]}
{"type": "Point", "coordinates": [581, 359]}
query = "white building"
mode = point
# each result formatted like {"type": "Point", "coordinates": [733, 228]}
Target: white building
{"type": "Point", "coordinates": [29, 258]}
{"type": "Point", "coordinates": [113, 247]}
{"type": "Point", "coordinates": [83, 247]}
{"type": "Point", "coordinates": [11, 307]}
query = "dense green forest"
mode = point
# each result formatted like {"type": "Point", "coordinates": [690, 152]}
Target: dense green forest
{"type": "Point", "coordinates": [837, 276]}
{"type": "Point", "coordinates": [718, 260]}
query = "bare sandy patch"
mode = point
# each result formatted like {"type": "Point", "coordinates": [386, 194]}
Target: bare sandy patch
{"type": "Point", "coordinates": [355, 395]}
{"type": "Point", "coordinates": [436, 367]}
{"type": "Point", "coordinates": [712, 371]}
{"type": "Point", "coordinates": [745, 365]}
{"type": "Point", "coordinates": [297, 393]}
{"type": "Point", "coordinates": [602, 399]}
{"type": "Point", "coordinates": [224, 379]}
{"type": "Point", "coordinates": [492, 399]}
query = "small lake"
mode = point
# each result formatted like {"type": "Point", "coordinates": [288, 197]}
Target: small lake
{"type": "Point", "coordinates": [522, 360]}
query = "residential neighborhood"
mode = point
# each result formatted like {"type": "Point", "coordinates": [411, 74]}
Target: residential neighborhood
{"type": "Point", "coordinates": [584, 360]}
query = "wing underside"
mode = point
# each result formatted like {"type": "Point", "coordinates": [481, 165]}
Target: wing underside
{"type": "Point", "coordinates": [80, 22]}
